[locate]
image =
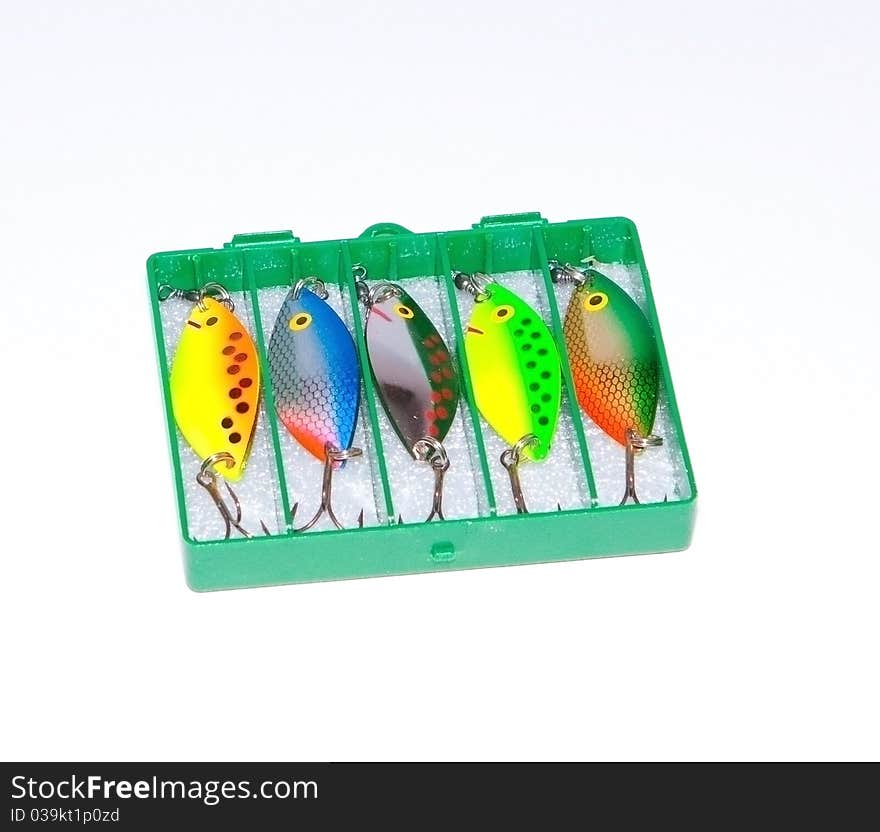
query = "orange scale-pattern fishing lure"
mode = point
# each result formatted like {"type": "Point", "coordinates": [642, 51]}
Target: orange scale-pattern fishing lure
{"type": "Point", "coordinates": [614, 359]}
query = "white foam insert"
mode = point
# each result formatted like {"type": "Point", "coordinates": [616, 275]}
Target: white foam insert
{"type": "Point", "coordinates": [412, 482]}
{"type": "Point", "coordinates": [357, 485]}
{"type": "Point", "coordinates": [660, 472]}
{"type": "Point", "coordinates": [258, 490]}
{"type": "Point", "coordinates": [559, 479]}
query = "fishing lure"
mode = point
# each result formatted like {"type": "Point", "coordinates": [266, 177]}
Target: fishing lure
{"type": "Point", "coordinates": [316, 382]}
{"type": "Point", "coordinates": [614, 361]}
{"type": "Point", "coordinates": [515, 371]}
{"type": "Point", "coordinates": [215, 391]}
{"type": "Point", "coordinates": [415, 375]}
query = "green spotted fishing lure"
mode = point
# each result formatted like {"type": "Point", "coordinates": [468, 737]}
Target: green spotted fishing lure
{"type": "Point", "coordinates": [515, 371]}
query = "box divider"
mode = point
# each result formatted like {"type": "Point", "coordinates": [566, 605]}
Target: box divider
{"type": "Point", "coordinates": [467, 388]}
{"type": "Point", "coordinates": [165, 375]}
{"type": "Point", "coordinates": [588, 241]}
{"type": "Point", "coordinates": [268, 392]}
{"type": "Point", "coordinates": [488, 257]}
{"type": "Point", "coordinates": [393, 265]}
{"type": "Point", "coordinates": [568, 381]}
{"type": "Point", "coordinates": [347, 282]}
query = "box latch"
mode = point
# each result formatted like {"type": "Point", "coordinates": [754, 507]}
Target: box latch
{"type": "Point", "coordinates": [443, 552]}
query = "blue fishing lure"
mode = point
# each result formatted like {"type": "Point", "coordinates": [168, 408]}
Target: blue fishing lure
{"type": "Point", "coordinates": [314, 371]}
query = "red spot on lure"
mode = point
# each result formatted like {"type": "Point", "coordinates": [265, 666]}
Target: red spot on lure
{"type": "Point", "coordinates": [412, 366]}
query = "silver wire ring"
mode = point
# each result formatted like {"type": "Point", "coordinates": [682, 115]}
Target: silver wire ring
{"type": "Point", "coordinates": [428, 449]}
{"type": "Point", "coordinates": [165, 291]}
{"type": "Point", "coordinates": [217, 291]}
{"type": "Point", "coordinates": [511, 457]}
{"type": "Point", "coordinates": [310, 283]}
{"type": "Point", "coordinates": [359, 271]}
{"type": "Point", "coordinates": [480, 283]}
{"type": "Point", "coordinates": [642, 442]}
{"type": "Point", "coordinates": [337, 455]}
{"type": "Point", "coordinates": [383, 291]}
{"type": "Point", "coordinates": [207, 473]}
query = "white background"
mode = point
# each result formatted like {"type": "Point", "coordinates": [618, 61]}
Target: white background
{"type": "Point", "coordinates": [741, 137]}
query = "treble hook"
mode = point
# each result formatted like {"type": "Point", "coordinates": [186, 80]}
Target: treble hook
{"type": "Point", "coordinates": [331, 456]}
{"type": "Point", "coordinates": [430, 450]}
{"type": "Point", "coordinates": [510, 459]}
{"type": "Point", "coordinates": [209, 479]}
{"type": "Point", "coordinates": [634, 443]}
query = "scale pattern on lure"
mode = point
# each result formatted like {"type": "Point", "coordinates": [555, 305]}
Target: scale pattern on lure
{"type": "Point", "coordinates": [215, 385]}
{"type": "Point", "coordinates": [417, 382]}
{"type": "Point", "coordinates": [515, 369]}
{"type": "Point", "coordinates": [613, 356]}
{"type": "Point", "coordinates": [315, 375]}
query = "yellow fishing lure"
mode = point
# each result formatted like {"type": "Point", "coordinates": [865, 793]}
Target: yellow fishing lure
{"type": "Point", "coordinates": [215, 385]}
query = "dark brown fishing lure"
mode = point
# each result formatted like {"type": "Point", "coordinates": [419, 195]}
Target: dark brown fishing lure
{"type": "Point", "coordinates": [415, 375]}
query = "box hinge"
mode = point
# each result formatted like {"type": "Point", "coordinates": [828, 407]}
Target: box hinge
{"type": "Point", "coordinates": [384, 229]}
{"type": "Point", "coordinates": [529, 218]}
{"type": "Point", "coordinates": [261, 238]}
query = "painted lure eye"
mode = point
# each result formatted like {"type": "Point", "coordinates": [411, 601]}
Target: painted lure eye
{"type": "Point", "coordinates": [404, 311]}
{"type": "Point", "coordinates": [595, 301]}
{"type": "Point", "coordinates": [502, 314]}
{"type": "Point", "coordinates": [300, 321]}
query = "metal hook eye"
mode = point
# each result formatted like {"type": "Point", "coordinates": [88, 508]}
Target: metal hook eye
{"type": "Point", "coordinates": [359, 271]}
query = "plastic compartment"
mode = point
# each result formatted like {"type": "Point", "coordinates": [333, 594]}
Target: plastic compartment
{"type": "Point", "coordinates": [358, 486]}
{"type": "Point", "coordinates": [482, 530]}
{"type": "Point", "coordinates": [560, 482]}
{"type": "Point", "coordinates": [415, 264]}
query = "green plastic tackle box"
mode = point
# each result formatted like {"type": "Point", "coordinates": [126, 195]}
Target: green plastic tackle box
{"type": "Point", "coordinates": [505, 243]}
